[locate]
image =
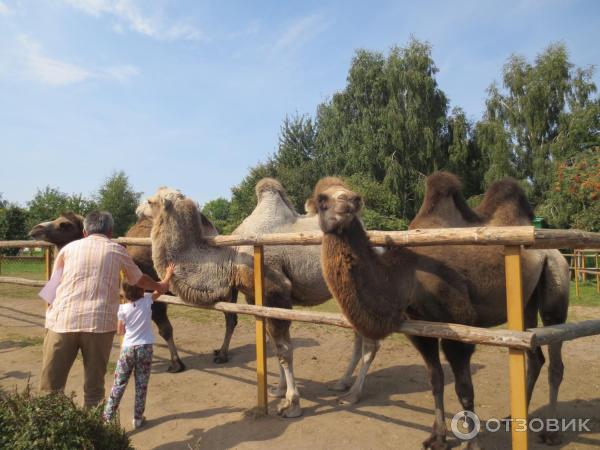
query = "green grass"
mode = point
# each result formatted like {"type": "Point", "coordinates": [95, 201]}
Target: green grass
{"type": "Point", "coordinates": [588, 295]}
{"type": "Point", "coordinates": [22, 268]}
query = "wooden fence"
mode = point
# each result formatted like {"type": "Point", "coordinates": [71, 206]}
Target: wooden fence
{"type": "Point", "coordinates": [515, 338]}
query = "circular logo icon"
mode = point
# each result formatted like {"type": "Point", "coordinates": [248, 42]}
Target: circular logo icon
{"type": "Point", "coordinates": [460, 425]}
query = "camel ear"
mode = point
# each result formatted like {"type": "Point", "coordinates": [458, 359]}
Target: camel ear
{"type": "Point", "coordinates": [167, 203]}
{"type": "Point", "coordinates": [310, 207]}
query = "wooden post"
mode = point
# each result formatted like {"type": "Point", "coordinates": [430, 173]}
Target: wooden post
{"type": "Point", "coordinates": [597, 276]}
{"type": "Point", "coordinates": [261, 354]}
{"type": "Point", "coordinates": [514, 305]}
{"type": "Point", "coordinates": [48, 261]}
{"type": "Point", "coordinates": [583, 272]}
{"type": "Point", "coordinates": [576, 270]}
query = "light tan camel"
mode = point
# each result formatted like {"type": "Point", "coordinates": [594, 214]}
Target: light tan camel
{"type": "Point", "coordinates": [206, 274]}
{"type": "Point", "coordinates": [459, 284]}
{"type": "Point", "coordinates": [68, 227]}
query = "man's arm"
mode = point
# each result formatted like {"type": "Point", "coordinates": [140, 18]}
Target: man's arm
{"type": "Point", "coordinates": [147, 283]}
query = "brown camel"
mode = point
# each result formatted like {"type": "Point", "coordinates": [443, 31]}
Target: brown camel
{"type": "Point", "coordinates": [458, 284]}
{"type": "Point", "coordinates": [68, 227]}
{"type": "Point", "coordinates": [206, 274]}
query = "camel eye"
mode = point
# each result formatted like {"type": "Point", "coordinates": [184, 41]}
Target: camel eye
{"type": "Point", "coordinates": [322, 202]}
{"type": "Point", "coordinates": [64, 225]}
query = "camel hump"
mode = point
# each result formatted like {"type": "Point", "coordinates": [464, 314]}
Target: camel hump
{"type": "Point", "coordinates": [272, 185]}
{"type": "Point", "coordinates": [505, 203]}
{"type": "Point", "coordinates": [444, 204]}
{"type": "Point", "coordinates": [74, 218]}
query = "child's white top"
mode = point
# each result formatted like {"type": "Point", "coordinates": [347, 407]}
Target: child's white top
{"type": "Point", "coordinates": [137, 317]}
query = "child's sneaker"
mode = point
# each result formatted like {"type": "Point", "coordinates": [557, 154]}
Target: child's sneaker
{"type": "Point", "coordinates": [138, 423]}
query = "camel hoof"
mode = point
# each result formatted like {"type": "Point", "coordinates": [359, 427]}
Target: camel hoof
{"type": "Point", "coordinates": [471, 445]}
{"type": "Point", "coordinates": [289, 410]}
{"type": "Point", "coordinates": [219, 358]}
{"type": "Point", "coordinates": [176, 366]}
{"type": "Point", "coordinates": [340, 386]}
{"type": "Point", "coordinates": [351, 398]}
{"type": "Point", "coordinates": [550, 437]}
{"type": "Point", "coordinates": [436, 442]}
{"type": "Point", "coordinates": [276, 392]}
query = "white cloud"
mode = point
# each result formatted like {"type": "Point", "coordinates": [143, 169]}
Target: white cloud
{"type": "Point", "coordinates": [128, 14]}
{"type": "Point", "coordinates": [300, 32]}
{"type": "Point", "coordinates": [4, 10]}
{"type": "Point", "coordinates": [30, 62]}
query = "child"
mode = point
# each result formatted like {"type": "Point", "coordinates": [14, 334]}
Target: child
{"type": "Point", "coordinates": [135, 321]}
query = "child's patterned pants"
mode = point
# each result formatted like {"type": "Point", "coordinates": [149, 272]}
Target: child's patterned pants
{"type": "Point", "coordinates": [136, 359]}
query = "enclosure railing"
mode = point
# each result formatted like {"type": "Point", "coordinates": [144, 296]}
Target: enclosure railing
{"type": "Point", "coordinates": [516, 338]}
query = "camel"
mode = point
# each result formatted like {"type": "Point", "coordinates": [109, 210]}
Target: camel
{"type": "Point", "coordinates": [206, 274]}
{"type": "Point", "coordinates": [68, 227]}
{"type": "Point", "coordinates": [459, 284]}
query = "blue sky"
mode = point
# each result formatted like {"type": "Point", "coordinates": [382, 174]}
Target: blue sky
{"type": "Point", "coordinates": [190, 94]}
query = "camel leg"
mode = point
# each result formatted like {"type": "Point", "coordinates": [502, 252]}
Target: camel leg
{"type": "Point", "coordinates": [279, 330]}
{"type": "Point", "coordinates": [221, 355]}
{"type": "Point", "coordinates": [281, 389]}
{"type": "Point", "coordinates": [535, 357]}
{"type": "Point", "coordinates": [369, 350]}
{"type": "Point", "coordinates": [165, 329]}
{"type": "Point", "coordinates": [429, 349]}
{"type": "Point", "coordinates": [346, 381]}
{"type": "Point", "coordinates": [459, 355]}
{"type": "Point", "coordinates": [555, 376]}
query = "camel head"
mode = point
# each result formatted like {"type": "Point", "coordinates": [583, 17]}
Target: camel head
{"type": "Point", "coordinates": [335, 203]}
{"type": "Point", "coordinates": [66, 228]}
{"type": "Point", "coordinates": [150, 207]}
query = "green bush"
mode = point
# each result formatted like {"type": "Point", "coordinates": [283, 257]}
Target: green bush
{"type": "Point", "coordinates": [53, 421]}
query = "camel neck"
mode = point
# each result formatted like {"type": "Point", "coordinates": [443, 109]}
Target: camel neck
{"type": "Point", "coordinates": [369, 290]}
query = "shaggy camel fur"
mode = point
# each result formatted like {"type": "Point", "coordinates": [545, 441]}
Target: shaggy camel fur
{"type": "Point", "coordinates": [68, 227]}
{"type": "Point", "coordinates": [206, 274]}
{"type": "Point", "coordinates": [459, 284]}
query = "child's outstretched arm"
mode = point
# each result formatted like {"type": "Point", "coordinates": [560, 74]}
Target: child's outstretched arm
{"type": "Point", "coordinates": [165, 281]}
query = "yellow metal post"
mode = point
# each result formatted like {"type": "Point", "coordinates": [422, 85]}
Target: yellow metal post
{"type": "Point", "coordinates": [48, 261]}
{"type": "Point", "coordinates": [514, 304]}
{"type": "Point", "coordinates": [261, 354]}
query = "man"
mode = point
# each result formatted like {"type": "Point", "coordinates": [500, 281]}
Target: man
{"type": "Point", "coordinates": [83, 314]}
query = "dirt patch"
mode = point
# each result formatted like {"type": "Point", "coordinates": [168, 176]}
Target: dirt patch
{"type": "Point", "coordinates": [206, 406]}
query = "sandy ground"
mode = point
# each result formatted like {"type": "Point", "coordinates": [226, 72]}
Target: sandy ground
{"type": "Point", "coordinates": [204, 407]}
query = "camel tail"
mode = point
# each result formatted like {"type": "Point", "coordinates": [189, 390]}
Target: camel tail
{"type": "Point", "coordinates": [553, 289]}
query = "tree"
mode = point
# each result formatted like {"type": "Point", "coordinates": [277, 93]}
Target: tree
{"type": "Point", "coordinates": [49, 203]}
{"type": "Point", "coordinates": [119, 198]}
{"type": "Point", "coordinates": [574, 199]}
{"type": "Point", "coordinates": [545, 113]}
{"type": "Point", "coordinates": [217, 212]}
{"type": "Point", "coordinates": [13, 226]}
{"type": "Point", "coordinates": [388, 123]}
{"type": "Point", "coordinates": [293, 165]}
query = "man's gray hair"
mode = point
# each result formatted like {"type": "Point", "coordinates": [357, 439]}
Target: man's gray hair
{"type": "Point", "coordinates": [98, 222]}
